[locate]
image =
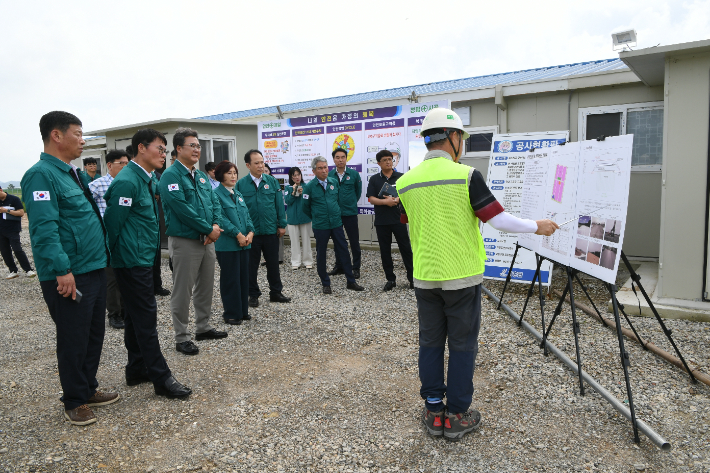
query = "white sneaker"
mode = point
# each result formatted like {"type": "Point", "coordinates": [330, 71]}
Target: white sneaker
{"type": "Point", "coordinates": [30, 274]}
{"type": "Point", "coordinates": [12, 276]}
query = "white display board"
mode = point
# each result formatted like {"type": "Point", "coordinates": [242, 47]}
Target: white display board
{"type": "Point", "coordinates": [506, 170]}
{"type": "Point", "coordinates": [584, 187]}
{"type": "Point", "coordinates": [362, 133]}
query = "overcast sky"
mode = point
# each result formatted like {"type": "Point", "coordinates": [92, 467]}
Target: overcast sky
{"type": "Point", "coordinates": [125, 62]}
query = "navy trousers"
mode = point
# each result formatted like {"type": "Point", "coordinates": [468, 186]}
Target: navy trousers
{"type": "Point", "coordinates": [10, 243]}
{"type": "Point", "coordinates": [341, 251]}
{"type": "Point", "coordinates": [234, 283]}
{"type": "Point", "coordinates": [141, 318]}
{"type": "Point", "coordinates": [269, 245]}
{"type": "Point", "coordinates": [351, 228]}
{"type": "Point", "coordinates": [455, 315]}
{"type": "Point", "coordinates": [80, 334]}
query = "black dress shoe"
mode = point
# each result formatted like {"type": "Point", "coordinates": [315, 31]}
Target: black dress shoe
{"type": "Point", "coordinates": [246, 317]}
{"type": "Point", "coordinates": [135, 380]}
{"type": "Point", "coordinates": [172, 388]}
{"type": "Point", "coordinates": [356, 273]}
{"type": "Point", "coordinates": [353, 286]}
{"type": "Point", "coordinates": [253, 302]}
{"type": "Point", "coordinates": [161, 291]}
{"type": "Point", "coordinates": [327, 290]}
{"type": "Point", "coordinates": [116, 322]}
{"type": "Point", "coordinates": [188, 347]}
{"type": "Point", "coordinates": [233, 321]}
{"type": "Point", "coordinates": [335, 271]}
{"type": "Point", "coordinates": [279, 297]}
{"type": "Point", "coordinates": [211, 334]}
{"type": "Point", "coordinates": [411, 285]}
{"type": "Point", "coordinates": [389, 286]}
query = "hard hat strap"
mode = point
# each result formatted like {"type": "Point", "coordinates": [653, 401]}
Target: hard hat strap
{"type": "Point", "coordinates": [456, 151]}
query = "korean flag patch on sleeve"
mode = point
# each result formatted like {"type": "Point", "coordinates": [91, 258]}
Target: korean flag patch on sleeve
{"type": "Point", "coordinates": [305, 196]}
{"type": "Point", "coordinates": [125, 201]}
{"type": "Point", "coordinates": [173, 187]}
{"type": "Point", "coordinates": [41, 195]}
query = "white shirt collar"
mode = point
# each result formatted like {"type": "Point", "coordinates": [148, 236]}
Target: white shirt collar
{"type": "Point", "coordinates": [257, 180]}
{"type": "Point", "coordinates": [341, 175]}
{"type": "Point", "coordinates": [149, 174]}
{"type": "Point", "coordinates": [192, 171]}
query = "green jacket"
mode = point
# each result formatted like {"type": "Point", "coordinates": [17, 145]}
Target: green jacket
{"type": "Point", "coordinates": [350, 190]}
{"type": "Point", "coordinates": [235, 220]}
{"type": "Point", "coordinates": [191, 208]}
{"type": "Point", "coordinates": [131, 219]}
{"type": "Point", "coordinates": [322, 204]}
{"type": "Point", "coordinates": [89, 178]}
{"type": "Point", "coordinates": [294, 212]}
{"type": "Point", "coordinates": [266, 205]}
{"type": "Point", "coordinates": [66, 229]}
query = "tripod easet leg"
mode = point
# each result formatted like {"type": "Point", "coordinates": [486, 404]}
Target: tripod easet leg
{"type": "Point", "coordinates": [624, 360]}
{"type": "Point", "coordinates": [575, 329]}
{"type": "Point", "coordinates": [507, 278]}
{"type": "Point", "coordinates": [536, 277]}
{"type": "Point", "coordinates": [557, 312]}
{"type": "Point", "coordinates": [542, 301]}
{"type": "Point", "coordinates": [579, 281]}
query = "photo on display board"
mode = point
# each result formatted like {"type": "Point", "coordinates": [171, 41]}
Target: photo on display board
{"type": "Point", "coordinates": [584, 225]}
{"type": "Point", "coordinates": [608, 257]}
{"type": "Point", "coordinates": [594, 251]}
{"type": "Point", "coordinates": [597, 230]}
{"type": "Point", "coordinates": [580, 250]}
{"type": "Point", "coordinates": [612, 230]}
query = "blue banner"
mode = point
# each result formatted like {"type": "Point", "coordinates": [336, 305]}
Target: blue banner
{"type": "Point", "coordinates": [508, 146]}
{"type": "Point", "coordinates": [501, 272]}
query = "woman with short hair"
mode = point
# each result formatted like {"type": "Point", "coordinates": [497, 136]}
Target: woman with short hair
{"type": "Point", "coordinates": [299, 224]}
{"type": "Point", "coordinates": [230, 247]}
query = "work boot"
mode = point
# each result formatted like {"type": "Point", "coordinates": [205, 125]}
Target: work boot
{"type": "Point", "coordinates": [434, 422]}
{"type": "Point", "coordinates": [458, 425]}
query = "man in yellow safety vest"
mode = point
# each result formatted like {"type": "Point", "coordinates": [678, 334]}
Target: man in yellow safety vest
{"type": "Point", "coordinates": [449, 261]}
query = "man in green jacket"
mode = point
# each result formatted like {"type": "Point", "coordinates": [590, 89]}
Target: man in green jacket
{"type": "Point", "coordinates": [350, 185]}
{"type": "Point", "coordinates": [132, 222]}
{"type": "Point", "coordinates": [70, 253]}
{"type": "Point", "coordinates": [264, 199]}
{"type": "Point", "coordinates": [192, 213]}
{"type": "Point", "coordinates": [320, 203]}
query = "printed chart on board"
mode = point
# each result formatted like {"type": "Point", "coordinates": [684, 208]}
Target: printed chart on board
{"type": "Point", "coordinates": [602, 202]}
{"type": "Point", "coordinates": [362, 133]}
{"type": "Point", "coordinates": [506, 171]}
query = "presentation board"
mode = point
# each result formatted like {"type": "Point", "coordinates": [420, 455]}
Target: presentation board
{"type": "Point", "coordinates": [363, 133]}
{"type": "Point", "coordinates": [584, 187]}
{"type": "Point", "coordinates": [506, 170]}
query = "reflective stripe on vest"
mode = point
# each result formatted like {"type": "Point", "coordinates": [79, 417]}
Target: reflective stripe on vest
{"type": "Point", "coordinates": [446, 241]}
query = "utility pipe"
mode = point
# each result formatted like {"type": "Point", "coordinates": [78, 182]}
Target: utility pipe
{"type": "Point", "coordinates": [699, 375]}
{"type": "Point", "coordinates": [657, 440]}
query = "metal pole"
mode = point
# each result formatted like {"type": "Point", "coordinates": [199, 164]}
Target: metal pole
{"type": "Point", "coordinates": [575, 329]}
{"type": "Point", "coordinates": [510, 272]}
{"type": "Point", "coordinates": [530, 290]}
{"type": "Point", "coordinates": [654, 437]}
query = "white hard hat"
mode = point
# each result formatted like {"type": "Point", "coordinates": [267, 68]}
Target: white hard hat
{"type": "Point", "coordinates": [443, 118]}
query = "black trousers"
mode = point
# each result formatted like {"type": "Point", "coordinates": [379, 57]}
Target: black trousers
{"type": "Point", "coordinates": [157, 279]}
{"type": "Point", "coordinates": [141, 318]}
{"type": "Point", "coordinates": [341, 250]}
{"type": "Point", "coordinates": [114, 305]}
{"type": "Point", "coordinates": [269, 245]}
{"type": "Point", "coordinates": [384, 237]}
{"type": "Point", "coordinates": [80, 334]}
{"type": "Point", "coordinates": [234, 283]}
{"type": "Point", "coordinates": [455, 315]}
{"type": "Point", "coordinates": [9, 243]}
{"type": "Point", "coordinates": [351, 228]}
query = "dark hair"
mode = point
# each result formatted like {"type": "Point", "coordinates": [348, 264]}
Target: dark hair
{"type": "Point", "coordinates": [268, 167]}
{"type": "Point", "coordinates": [210, 167]}
{"type": "Point", "coordinates": [180, 135]}
{"type": "Point", "coordinates": [56, 121]}
{"type": "Point", "coordinates": [115, 155]}
{"type": "Point", "coordinates": [247, 156]}
{"type": "Point", "coordinates": [339, 150]}
{"type": "Point", "coordinates": [293, 171]}
{"type": "Point", "coordinates": [89, 161]}
{"type": "Point", "coordinates": [383, 153]}
{"type": "Point", "coordinates": [173, 154]}
{"type": "Point", "coordinates": [223, 168]}
{"type": "Point", "coordinates": [145, 137]}
{"type": "Point", "coordinates": [129, 150]}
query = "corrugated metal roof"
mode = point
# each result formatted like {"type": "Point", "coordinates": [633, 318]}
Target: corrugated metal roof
{"type": "Point", "coordinates": [543, 73]}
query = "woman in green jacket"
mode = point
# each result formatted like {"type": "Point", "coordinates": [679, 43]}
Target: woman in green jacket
{"type": "Point", "coordinates": [231, 248]}
{"type": "Point", "coordinates": [299, 225]}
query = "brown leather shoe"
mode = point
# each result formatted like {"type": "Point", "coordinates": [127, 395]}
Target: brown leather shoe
{"type": "Point", "coordinates": [82, 415]}
{"type": "Point", "coordinates": [101, 399]}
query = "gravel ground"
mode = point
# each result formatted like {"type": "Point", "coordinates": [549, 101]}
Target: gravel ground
{"type": "Point", "coordinates": [329, 383]}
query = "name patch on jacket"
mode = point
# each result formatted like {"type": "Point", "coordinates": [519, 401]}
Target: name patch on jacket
{"type": "Point", "coordinates": [173, 187]}
{"type": "Point", "coordinates": [125, 201]}
{"type": "Point", "coordinates": [41, 195]}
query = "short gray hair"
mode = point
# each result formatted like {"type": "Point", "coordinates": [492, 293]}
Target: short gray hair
{"type": "Point", "coordinates": [316, 160]}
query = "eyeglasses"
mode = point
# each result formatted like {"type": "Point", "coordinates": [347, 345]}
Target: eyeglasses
{"type": "Point", "coordinates": [162, 150]}
{"type": "Point", "coordinates": [119, 163]}
{"type": "Point", "coordinates": [194, 145]}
